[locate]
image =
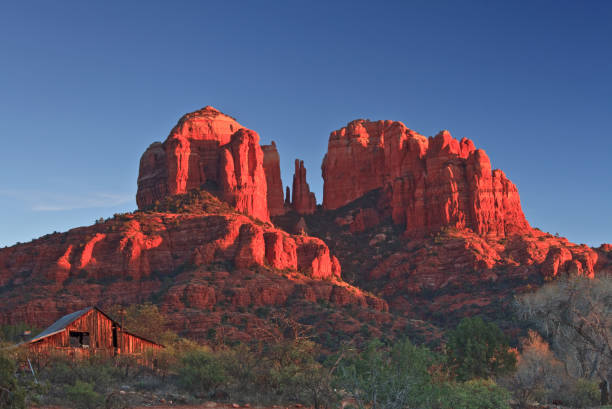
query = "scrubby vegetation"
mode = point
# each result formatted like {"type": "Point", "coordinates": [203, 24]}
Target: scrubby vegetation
{"type": "Point", "coordinates": [475, 368]}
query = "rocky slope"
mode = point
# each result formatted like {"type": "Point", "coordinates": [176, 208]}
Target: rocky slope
{"type": "Point", "coordinates": [446, 274]}
{"type": "Point", "coordinates": [194, 255]}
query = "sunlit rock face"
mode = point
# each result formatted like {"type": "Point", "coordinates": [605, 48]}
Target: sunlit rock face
{"type": "Point", "coordinates": [206, 147]}
{"type": "Point", "coordinates": [271, 164]}
{"type": "Point", "coordinates": [134, 256]}
{"type": "Point", "coordinates": [429, 182]}
{"type": "Point", "coordinates": [303, 200]}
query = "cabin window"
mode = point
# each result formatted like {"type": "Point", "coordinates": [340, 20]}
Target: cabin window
{"type": "Point", "coordinates": [79, 339]}
{"type": "Point", "coordinates": [115, 344]}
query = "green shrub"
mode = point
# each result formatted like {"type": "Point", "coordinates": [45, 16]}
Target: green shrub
{"type": "Point", "coordinates": [477, 349]}
{"type": "Point", "coordinates": [98, 371]}
{"type": "Point", "coordinates": [580, 394]}
{"type": "Point", "coordinates": [293, 372]}
{"type": "Point", "coordinates": [12, 395]}
{"type": "Point", "coordinates": [392, 378]}
{"type": "Point", "coordinates": [82, 395]}
{"type": "Point", "coordinates": [200, 372]}
{"type": "Point", "coordinates": [475, 394]}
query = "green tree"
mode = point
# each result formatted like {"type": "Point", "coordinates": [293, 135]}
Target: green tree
{"type": "Point", "coordinates": [477, 349]}
{"type": "Point", "coordinates": [145, 320]}
{"type": "Point", "coordinates": [200, 372]}
{"type": "Point", "coordinates": [295, 373]}
{"type": "Point", "coordinates": [390, 378]}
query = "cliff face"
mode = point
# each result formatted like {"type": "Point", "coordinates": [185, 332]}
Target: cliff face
{"type": "Point", "coordinates": [206, 146]}
{"type": "Point", "coordinates": [430, 182]}
{"type": "Point", "coordinates": [136, 245]}
{"type": "Point", "coordinates": [303, 200]}
{"type": "Point", "coordinates": [271, 164]}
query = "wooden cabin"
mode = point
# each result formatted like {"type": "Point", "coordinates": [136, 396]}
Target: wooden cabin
{"type": "Point", "coordinates": [88, 332]}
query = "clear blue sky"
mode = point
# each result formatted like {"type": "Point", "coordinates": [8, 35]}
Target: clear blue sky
{"type": "Point", "coordinates": [85, 87]}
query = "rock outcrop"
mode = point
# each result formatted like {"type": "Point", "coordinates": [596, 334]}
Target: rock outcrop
{"type": "Point", "coordinates": [429, 182]}
{"type": "Point", "coordinates": [136, 245]}
{"type": "Point", "coordinates": [133, 257]}
{"type": "Point", "coordinates": [241, 174]}
{"type": "Point", "coordinates": [303, 200]}
{"type": "Point", "coordinates": [271, 164]}
{"type": "Point", "coordinates": [423, 223]}
{"type": "Point", "coordinates": [206, 147]}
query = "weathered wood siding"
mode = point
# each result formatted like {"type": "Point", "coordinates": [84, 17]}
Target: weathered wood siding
{"type": "Point", "coordinates": [100, 329]}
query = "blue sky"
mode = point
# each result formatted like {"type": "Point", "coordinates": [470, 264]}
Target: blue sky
{"type": "Point", "coordinates": [85, 87]}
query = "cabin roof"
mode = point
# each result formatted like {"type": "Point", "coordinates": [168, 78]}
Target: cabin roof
{"type": "Point", "coordinates": [61, 324]}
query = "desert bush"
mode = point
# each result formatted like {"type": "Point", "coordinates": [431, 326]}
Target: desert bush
{"type": "Point", "coordinates": [240, 363]}
{"type": "Point", "coordinates": [294, 373]}
{"type": "Point", "coordinates": [200, 372]}
{"type": "Point", "coordinates": [98, 371]}
{"type": "Point", "coordinates": [12, 395]}
{"type": "Point", "coordinates": [539, 374]}
{"type": "Point", "coordinates": [128, 365]}
{"type": "Point", "coordinates": [580, 393]}
{"type": "Point", "coordinates": [81, 395]}
{"type": "Point", "coordinates": [389, 378]}
{"type": "Point", "coordinates": [475, 394]}
{"type": "Point", "coordinates": [576, 312]}
{"type": "Point", "coordinates": [477, 349]}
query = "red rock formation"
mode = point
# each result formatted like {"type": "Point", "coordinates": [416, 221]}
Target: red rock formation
{"type": "Point", "coordinates": [271, 164]}
{"type": "Point", "coordinates": [124, 259]}
{"type": "Point", "coordinates": [209, 257]}
{"type": "Point", "coordinates": [206, 146]}
{"type": "Point", "coordinates": [430, 182]}
{"type": "Point", "coordinates": [604, 260]}
{"type": "Point", "coordinates": [365, 219]}
{"type": "Point", "coordinates": [241, 174]}
{"type": "Point", "coordinates": [303, 201]}
{"type": "Point", "coordinates": [137, 245]}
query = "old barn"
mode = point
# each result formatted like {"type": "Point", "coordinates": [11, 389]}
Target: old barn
{"type": "Point", "coordinates": [87, 332]}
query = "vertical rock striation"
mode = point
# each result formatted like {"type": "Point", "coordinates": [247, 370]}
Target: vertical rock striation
{"type": "Point", "coordinates": [429, 182]}
{"type": "Point", "coordinates": [303, 201]}
{"type": "Point", "coordinates": [271, 164]}
{"type": "Point", "coordinates": [206, 147]}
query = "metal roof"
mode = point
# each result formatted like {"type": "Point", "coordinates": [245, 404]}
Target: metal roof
{"type": "Point", "coordinates": [60, 325]}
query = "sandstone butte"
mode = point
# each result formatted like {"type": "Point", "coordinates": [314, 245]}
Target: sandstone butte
{"type": "Point", "coordinates": [424, 223]}
{"type": "Point", "coordinates": [430, 182]}
{"type": "Point", "coordinates": [207, 147]}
